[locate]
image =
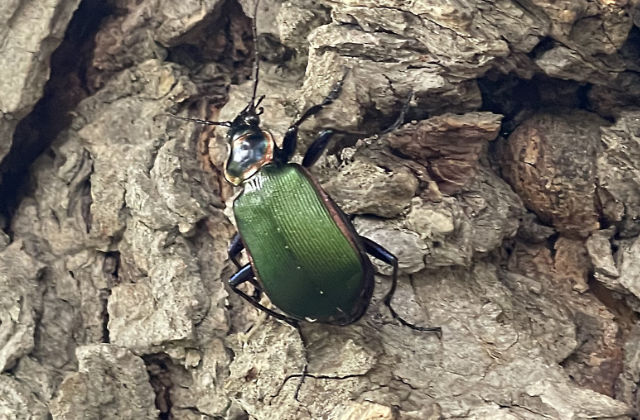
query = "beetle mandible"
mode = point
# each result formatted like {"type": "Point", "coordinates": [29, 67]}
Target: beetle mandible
{"type": "Point", "coordinates": [303, 251]}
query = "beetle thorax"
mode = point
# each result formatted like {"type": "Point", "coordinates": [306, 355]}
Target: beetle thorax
{"type": "Point", "coordinates": [250, 150]}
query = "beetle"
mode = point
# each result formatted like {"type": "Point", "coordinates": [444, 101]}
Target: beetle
{"type": "Point", "coordinates": [303, 250]}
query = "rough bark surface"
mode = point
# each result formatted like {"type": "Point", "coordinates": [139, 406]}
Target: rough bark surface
{"type": "Point", "coordinates": [511, 196]}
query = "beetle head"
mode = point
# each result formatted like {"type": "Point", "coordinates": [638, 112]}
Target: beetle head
{"type": "Point", "coordinates": [250, 147]}
{"type": "Point", "coordinates": [248, 118]}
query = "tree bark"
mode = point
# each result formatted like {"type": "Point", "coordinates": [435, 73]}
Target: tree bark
{"type": "Point", "coordinates": [510, 195]}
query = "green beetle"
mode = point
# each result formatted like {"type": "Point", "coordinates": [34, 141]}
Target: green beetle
{"type": "Point", "coordinates": [304, 253]}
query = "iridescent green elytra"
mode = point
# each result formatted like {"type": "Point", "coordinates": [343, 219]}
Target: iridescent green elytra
{"type": "Point", "coordinates": [300, 252]}
{"type": "Point", "coordinates": [304, 253]}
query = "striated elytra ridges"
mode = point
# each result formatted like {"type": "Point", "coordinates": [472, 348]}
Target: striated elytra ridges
{"type": "Point", "coordinates": [301, 256]}
{"type": "Point", "coordinates": [303, 251]}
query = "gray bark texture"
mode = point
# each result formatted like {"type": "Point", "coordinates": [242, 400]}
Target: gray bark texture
{"type": "Point", "coordinates": [511, 196]}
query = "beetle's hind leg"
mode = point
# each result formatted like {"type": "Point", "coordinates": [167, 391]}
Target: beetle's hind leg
{"type": "Point", "coordinates": [245, 274]}
{"type": "Point", "coordinates": [305, 372]}
{"type": "Point", "coordinates": [382, 254]}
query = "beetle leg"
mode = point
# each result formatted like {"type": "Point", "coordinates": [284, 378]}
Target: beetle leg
{"type": "Point", "coordinates": [257, 291]}
{"type": "Point", "coordinates": [235, 247]}
{"type": "Point", "coordinates": [398, 122]}
{"type": "Point", "coordinates": [291, 136]}
{"type": "Point", "coordinates": [305, 372]}
{"type": "Point", "coordinates": [317, 147]}
{"type": "Point", "coordinates": [302, 375]}
{"type": "Point", "coordinates": [382, 254]}
{"type": "Point", "coordinates": [246, 274]}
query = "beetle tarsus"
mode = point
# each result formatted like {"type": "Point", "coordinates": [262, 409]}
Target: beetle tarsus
{"type": "Point", "coordinates": [303, 375]}
{"type": "Point", "coordinates": [379, 252]}
{"type": "Point", "coordinates": [436, 330]}
{"type": "Point", "coordinates": [291, 136]}
{"type": "Point", "coordinates": [336, 89]}
{"type": "Point", "coordinates": [305, 369]}
{"type": "Point", "coordinates": [403, 113]}
{"type": "Point", "coordinates": [334, 93]}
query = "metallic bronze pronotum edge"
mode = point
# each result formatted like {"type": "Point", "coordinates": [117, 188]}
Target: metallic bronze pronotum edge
{"type": "Point", "coordinates": [252, 169]}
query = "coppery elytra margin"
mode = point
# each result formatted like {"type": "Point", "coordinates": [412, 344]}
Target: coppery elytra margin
{"type": "Point", "coordinates": [304, 253]}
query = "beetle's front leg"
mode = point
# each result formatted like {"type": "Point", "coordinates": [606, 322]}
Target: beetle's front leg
{"type": "Point", "coordinates": [400, 120]}
{"type": "Point", "coordinates": [291, 136]}
{"type": "Point", "coordinates": [378, 251]}
{"type": "Point", "coordinates": [246, 275]}
{"type": "Point", "coordinates": [317, 147]}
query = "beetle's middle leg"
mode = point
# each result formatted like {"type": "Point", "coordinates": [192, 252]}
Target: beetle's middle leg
{"type": "Point", "coordinates": [246, 275]}
{"type": "Point", "coordinates": [382, 254]}
{"type": "Point", "coordinates": [235, 248]}
{"type": "Point", "coordinates": [305, 371]}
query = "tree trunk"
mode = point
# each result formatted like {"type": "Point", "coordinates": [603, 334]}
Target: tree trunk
{"type": "Point", "coordinates": [511, 196]}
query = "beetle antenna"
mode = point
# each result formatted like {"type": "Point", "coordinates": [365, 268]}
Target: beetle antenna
{"type": "Point", "coordinates": [199, 121]}
{"type": "Point", "coordinates": [256, 58]}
